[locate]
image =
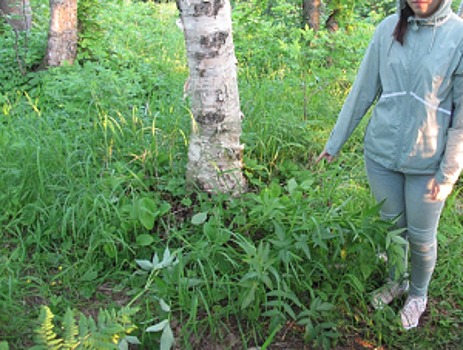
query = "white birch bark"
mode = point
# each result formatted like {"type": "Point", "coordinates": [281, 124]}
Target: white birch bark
{"type": "Point", "coordinates": [460, 10]}
{"type": "Point", "coordinates": [215, 153]}
{"type": "Point", "coordinates": [62, 35]}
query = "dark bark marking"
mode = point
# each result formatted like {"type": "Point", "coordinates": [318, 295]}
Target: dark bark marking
{"type": "Point", "coordinates": [201, 56]}
{"type": "Point", "coordinates": [211, 8]}
{"type": "Point", "coordinates": [220, 96]}
{"type": "Point", "coordinates": [210, 118]}
{"type": "Point", "coordinates": [214, 41]}
{"type": "Point", "coordinates": [201, 72]}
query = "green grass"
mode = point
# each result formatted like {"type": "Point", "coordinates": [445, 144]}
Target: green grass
{"type": "Point", "coordinates": [92, 181]}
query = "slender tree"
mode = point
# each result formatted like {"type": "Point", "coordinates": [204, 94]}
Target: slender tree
{"type": "Point", "coordinates": [215, 153]}
{"type": "Point", "coordinates": [62, 35]}
{"type": "Point", "coordinates": [460, 9]}
{"type": "Point", "coordinates": [17, 13]}
{"type": "Point", "coordinates": [311, 13]}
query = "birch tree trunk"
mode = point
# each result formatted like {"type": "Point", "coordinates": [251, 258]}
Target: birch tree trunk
{"type": "Point", "coordinates": [17, 13]}
{"type": "Point", "coordinates": [62, 36]}
{"type": "Point", "coordinates": [311, 13]}
{"type": "Point", "coordinates": [215, 153]}
{"type": "Point", "coordinates": [460, 10]}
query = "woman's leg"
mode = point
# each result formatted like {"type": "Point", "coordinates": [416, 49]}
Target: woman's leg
{"type": "Point", "coordinates": [388, 187]}
{"type": "Point", "coordinates": [423, 215]}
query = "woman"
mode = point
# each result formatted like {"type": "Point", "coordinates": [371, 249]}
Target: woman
{"type": "Point", "coordinates": [413, 70]}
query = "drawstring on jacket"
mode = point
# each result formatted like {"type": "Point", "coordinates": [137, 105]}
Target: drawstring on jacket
{"type": "Point", "coordinates": [442, 16]}
{"type": "Point", "coordinates": [434, 23]}
{"type": "Point", "coordinates": [433, 36]}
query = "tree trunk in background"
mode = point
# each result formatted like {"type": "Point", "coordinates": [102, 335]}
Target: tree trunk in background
{"type": "Point", "coordinates": [62, 36]}
{"type": "Point", "coordinates": [215, 153]}
{"type": "Point", "coordinates": [332, 21]}
{"type": "Point", "coordinates": [17, 13]}
{"type": "Point", "coordinates": [311, 13]}
{"type": "Point", "coordinates": [460, 10]}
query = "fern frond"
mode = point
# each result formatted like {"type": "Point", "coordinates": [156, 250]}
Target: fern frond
{"type": "Point", "coordinates": [46, 338]}
{"type": "Point", "coordinates": [83, 328]}
{"type": "Point", "coordinates": [70, 330]}
{"type": "Point", "coordinates": [107, 333]}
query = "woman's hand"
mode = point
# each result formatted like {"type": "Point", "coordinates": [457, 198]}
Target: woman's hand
{"type": "Point", "coordinates": [440, 192]}
{"type": "Point", "coordinates": [325, 155]}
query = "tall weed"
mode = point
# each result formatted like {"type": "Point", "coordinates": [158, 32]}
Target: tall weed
{"type": "Point", "coordinates": [92, 188]}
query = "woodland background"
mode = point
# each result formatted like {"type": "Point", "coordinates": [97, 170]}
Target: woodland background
{"type": "Point", "coordinates": [103, 244]}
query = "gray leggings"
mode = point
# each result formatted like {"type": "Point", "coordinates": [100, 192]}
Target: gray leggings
{"type": "Point", "coordinates": [408, 196]}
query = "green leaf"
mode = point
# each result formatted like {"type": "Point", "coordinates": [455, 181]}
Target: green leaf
{"type": "Point", "coordinates": [123, 345]}
{"type": "Point", "coordinates": [158, 326]}
{"type": "Point", "coordinates": [147, 212]}
{"type": "Point", "coordinates": [292, 186]}
{"type": "Point", "coordinates": [132, 340]}
{"type": "Point", "coordinates": [399, 240]}
{"type": "Point", "coordinates": [145, 264]}
{"type": "Point", "coordinates": [199, 218]}
{"type": "Point", "coordinates": [325, 306]}
{"type": "Point", "coordinates": [109, 250]}
{"type": "Point", "coordinates": [167, 338]}
{"type": "Point", "coordinates": [289, 311]}
{"type": "Point", "coordinates": [164, 208]}
{"type": "Point", "coordinates": [89, 275]}
{"type": "Point", "coordinates": [164, 306]}
{"type": "Point", "coordinates": [4, 345]}
{"type": "Point", "coordinates": [144, 240]}
{"type": "Point", "coordinates": [249, 298]}
{"type": "Point", "coordinates": [307, 184]}
{"type": "Point", "coordinates": [70, 330]}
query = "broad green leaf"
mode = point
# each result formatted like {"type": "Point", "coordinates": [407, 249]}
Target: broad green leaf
{"type": "Point", "coordinates": [144, 240]}
{"type": "Point", "coordinates": [325, 306]}
{"type": "Point", "coordinates": [132, 340]}
{"type": "Point", "coordinates": [123, 345]}
{"type": "Point", "coordinates": [164, 208]}
{"type": "Point", "coordinates": [145, 264]}
{"type": "Point", "coordinates": [158, 326]}
{"type": "Point", "coordinates": [109, 250]}
{"type": "Point", "coordinates": [199, 218]}
{"type": "Point", "coordinates": [167, 257]}
{"type": "Point", "coordinates": [89, 275]}
{"type": "Point", "coordinates": [307, 184]}
{"type": "Point", "coordinates": [292, 186]}
{"type": "Point", "coordinates": [167, 338]}
{"type": "Point", "coordinates": [147, 212]}
{"type": "Point", "coordinates": [399, 240]}
{"type": "Point", "coordinates": [210, 230]}
{"type": "Point", "coordinates": [164, 305]}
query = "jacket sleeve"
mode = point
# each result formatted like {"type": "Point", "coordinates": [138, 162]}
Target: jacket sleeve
{"type": "Point", "coordinates": [452, 161]}
{"type": "Point", "coordinates": [364, 92]}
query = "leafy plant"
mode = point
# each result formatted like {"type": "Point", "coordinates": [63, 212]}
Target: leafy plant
{"type": "Point", "coordinates": [321, 334]}
{"type": "Point", "coordinates": [110, 331]}
{"type": "Point", "coordinates": [153, 268]}
{"type": "Point", "coordinates": [92, 178]}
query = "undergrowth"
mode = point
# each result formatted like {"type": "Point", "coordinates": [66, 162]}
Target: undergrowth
{"type": "Point", "coordinates": [95, 214]}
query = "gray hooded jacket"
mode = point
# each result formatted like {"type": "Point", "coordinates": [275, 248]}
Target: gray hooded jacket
{"type": "Point", "coordinates": [417, 123]}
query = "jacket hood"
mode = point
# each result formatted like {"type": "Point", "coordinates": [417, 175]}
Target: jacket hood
{"type": "Point", "coordinates": [438, 18]}
{"type": "Point", "coordinates": [444, 10]}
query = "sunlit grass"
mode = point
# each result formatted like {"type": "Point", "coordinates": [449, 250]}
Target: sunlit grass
{"type": "Point", "coordinates": [91, 178]}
